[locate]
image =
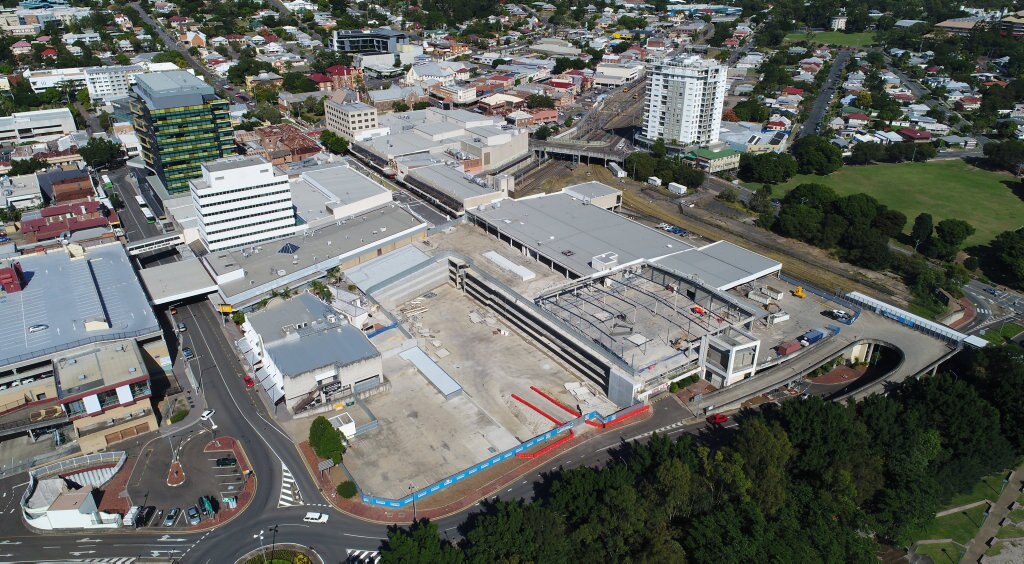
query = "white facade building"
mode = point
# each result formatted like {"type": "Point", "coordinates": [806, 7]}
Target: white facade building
{"type": "Point", "coordinates": [110, 83]}
{"type": "Point", "coordinates": [684, 101]}
{"type": "Point", "coordinates": [40, 125]}
{"type": "Point", "coordinates": [349, 120]}
{"type": "Point", "coordinates": [41, 80]}
{"type": "Point", "coordinates": [242, 201]}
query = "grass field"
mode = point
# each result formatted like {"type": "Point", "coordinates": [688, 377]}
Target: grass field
{"type": "Point", "coordinates": [946, 189]}
{"type": "Point", "coordinates": [988, 488]}
{"type": "Point", "coordinates": [941, 553]}
{"type": "Point", "coordinates": [836, 38]}
{"type": "Point", "coordinates": [1001, 335]}
{"type": "Point", "coordinates": [960, 526]}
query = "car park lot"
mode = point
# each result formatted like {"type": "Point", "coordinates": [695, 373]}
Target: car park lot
{"type": "Point", "coordinates": [206, 475]}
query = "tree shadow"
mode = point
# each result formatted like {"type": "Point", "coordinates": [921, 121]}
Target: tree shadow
{"type": "Point", "coordinates": [1016, 187]}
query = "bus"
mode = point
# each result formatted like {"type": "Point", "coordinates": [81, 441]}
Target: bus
{"type": "Point", "coordinates": [142, 202]}
{"type": "Point", "coordinates": [107, 183]}
{"type": "Point", "coordinates": [150, 218]}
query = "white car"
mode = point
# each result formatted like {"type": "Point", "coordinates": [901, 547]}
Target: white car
{"type": "Point", "coordinates": [207, 415]}
{"type": "Point", "coordinates": [316, 517]}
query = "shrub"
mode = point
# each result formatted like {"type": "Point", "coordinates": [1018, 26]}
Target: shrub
{"type": "Point", "coordinates": [179, 415]}
{"type": "Point", "coordinates": [347, 490]}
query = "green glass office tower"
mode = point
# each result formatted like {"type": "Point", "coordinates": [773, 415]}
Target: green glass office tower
{"type": "Point", "coordinates": [181, 124]}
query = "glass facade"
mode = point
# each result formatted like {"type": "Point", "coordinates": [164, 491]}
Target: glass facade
{"type": "Point", "coordinates": [175, 142]}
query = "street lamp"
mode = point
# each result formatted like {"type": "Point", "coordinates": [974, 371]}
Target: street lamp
{"type": "Point", "coordinates": [273, 542]}
{"type": "Point", "coordinates": [412, 487]}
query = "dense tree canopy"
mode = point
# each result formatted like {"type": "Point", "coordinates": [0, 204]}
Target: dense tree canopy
{"type": "Point", "coordinates": [769, 168]}
{"type": "Point", "coordinates": [816, 155]}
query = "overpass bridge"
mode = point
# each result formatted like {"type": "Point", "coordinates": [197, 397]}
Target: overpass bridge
{"type": "Point", "coordinates": [578, 150]}
{"type": "Point", "coordinates": [157, 243]}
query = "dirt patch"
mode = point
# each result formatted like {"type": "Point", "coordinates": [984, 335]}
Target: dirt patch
{"type": "Point", "coordinates": [840, 375]}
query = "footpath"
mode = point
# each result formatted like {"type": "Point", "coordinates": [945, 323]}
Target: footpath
{"type": "Point", "coordinates": [978, 545]}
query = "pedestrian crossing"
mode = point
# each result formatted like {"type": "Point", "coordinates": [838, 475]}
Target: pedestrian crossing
{"type": "Point", "coordinates": [363, 556]}
{"type": "Point", "coordinates": [983, 310]}
{"type": "Point", "coordinates": [121, 560]}
{"type": "Point", "coordinates": [289, 489]}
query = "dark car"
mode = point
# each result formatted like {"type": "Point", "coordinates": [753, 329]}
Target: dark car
{"type": "Point", "coordinates": [193, 516]}
{"type": "Point", "coordinates": [717, 418]}
{"type": "Point", "coordinates": [144, 516]}
{"type": "Point", "coordinates": [172, 517]}
{"type": "Point", "coordinates": [188, 353]}
{"type": "Point", "coordinates": [204, 506]}
{"type": "Point", "coordinates": [227, 462]}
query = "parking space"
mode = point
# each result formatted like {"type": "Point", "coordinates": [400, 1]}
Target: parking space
{"type": "Point", "coordinates": [214, 476]}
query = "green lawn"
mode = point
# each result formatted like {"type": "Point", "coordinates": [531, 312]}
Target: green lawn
{"type": "Point", "coordinates": [951, 554]}
{"type": "Point", "coordinates": [988, 488]}
{"type": "Point", "coordinates": [1000, 335]}
{"type": "Point", "coordinates": [946, 189]}
{"type": "Point", "coordinates": [836, 38]}
{"type": "Point", "coordinates": [1010, 533]}
{"type": "Point", "coordinates": [960, 526]}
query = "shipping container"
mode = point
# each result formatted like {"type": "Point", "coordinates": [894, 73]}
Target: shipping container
{"type": "Point", "coordinates": [654, 181]}
{"type": "Point", "coordinates": [834, 329]}
{"type": "Point", "coordinates": [813, 336]}
{"type": "Point", "coordinates": [676, 188]}
{"type": "Point", "coordinates": [787, 348]}
{"type": "Point", "coordinates": [616, 170]}
{"type": "Point", "coordinates": [759, 297]}
{"type": "Point", "coordinates": [772, 292]}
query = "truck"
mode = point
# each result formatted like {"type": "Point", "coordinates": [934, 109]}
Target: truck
{"type": "Point", "coordinates": [130, 516]}
{"type": "Point", "coordinates": [812, 336]}
{"type": "Point", "coordinates": [676, 188]}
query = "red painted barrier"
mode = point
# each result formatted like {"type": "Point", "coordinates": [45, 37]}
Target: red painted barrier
{"type": "Point", "coordinates": [565, 408]}
{"type": "Point", "coordinates": [538, 410]}
{"type": "Point", "coordinates": [548, 448]}
{"type": "Point", "coordinates": [628, 415]}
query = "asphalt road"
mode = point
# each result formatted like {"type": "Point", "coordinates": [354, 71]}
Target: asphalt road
{"type": "Point", "coordinates": [828, 89]}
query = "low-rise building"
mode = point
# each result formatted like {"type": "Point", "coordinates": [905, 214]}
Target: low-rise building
{"type": "Point", "coordinates": [40, 125]}
{"type": "Point", "coordinates": [714, 160]}
{"type": "Point", "coordinates": [307, 355]}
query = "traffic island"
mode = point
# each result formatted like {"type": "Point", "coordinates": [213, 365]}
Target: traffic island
{"type": "Point", "coordinates": [175, 475]}
{"type": "Point", "coordinates": [467, 492]}
{"type": "Point", "coordinates": [281, 554]}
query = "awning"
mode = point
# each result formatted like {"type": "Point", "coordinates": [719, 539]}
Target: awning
{"type": "Point", "coordinates": [243, 345]}
{"type": "Point", "coordinates": [251, 356]}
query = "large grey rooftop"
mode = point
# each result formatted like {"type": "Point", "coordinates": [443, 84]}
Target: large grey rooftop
{"type": "Point", "coordinates": [592, 189]}
{"type": "Point", "coordinates": [317, 346]}
{"type": "Point", "coordinates": [319, 249]}
{"type": "Point", "coordinates": [231, 163]}
{"type": "Point", "coordinates": [344, 183]}
{"type": "Point", "coordinates": [320, 343]}
{"type": "Point", "coordinates": [722, 264]}
{"type": "Point", "coordinates": [572, 233]}
{"type": "Point", "coordinates": [172, 89]}
{"type": "Point", "coordinates": [65, 293]}
{"type": "Point", "coordinates": [450, 181]}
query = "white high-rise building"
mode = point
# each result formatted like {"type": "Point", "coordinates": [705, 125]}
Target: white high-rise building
{"type": "Point", "coordinates": [242, 201]}
{"type": "Point", "coordinates": [684, 103]}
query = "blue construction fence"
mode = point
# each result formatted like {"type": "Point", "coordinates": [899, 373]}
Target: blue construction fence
{"type": "Point", "coordinates": [376, 332]}
{"type": "Point", "coordinates": [456, 478]}
{"type": "Point", "coordinates": [835, 298]}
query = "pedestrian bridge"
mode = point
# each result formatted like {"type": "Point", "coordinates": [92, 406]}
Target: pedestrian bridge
{"type": "Point", "coordinates": [578, 150]}
{"type": "Point", "coordinates": [157, 243]}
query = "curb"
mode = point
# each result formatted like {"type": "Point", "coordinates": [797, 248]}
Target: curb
{"type": "Point", "coordinates": [470, 502]}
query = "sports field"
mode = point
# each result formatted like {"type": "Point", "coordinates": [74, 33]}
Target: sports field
{"type": "Point", "coordinates": [836, 38]}
{"type": "Point", "coordinates": [945, 189]}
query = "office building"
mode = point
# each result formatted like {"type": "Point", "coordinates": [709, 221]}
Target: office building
{"type": "Point", "coordinates": [242, 201]}
{"type": "Point", "coordinates": [40, 125]}
{"type": "Point", "coordinates": [684, 102]}
{"type": "Point", "coordinates": [348, 120]}
{"type": "Point", "coordinates": [380, 40]}
{"type": "Point", "coordinates": [181, 124]}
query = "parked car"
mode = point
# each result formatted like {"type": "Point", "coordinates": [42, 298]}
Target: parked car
{"type": "Point", "coordinates": [172, 516]}
{"type": "Point", "coordinates": [189, 355]}
{"type": "Point", "coordinates": [181, 327]}
{"type": "Point", "coordinates": [193, 516]}
{"type": "Point", "coordinates": [207, 414]}
{"type": "Point", "coordinates": [249, 382]}
{"type": "Point", "coordinates": [144, 516]}
{"type": "Point", "coordinates": [717, 418]}
{"type": "Point", "coordinates": [227, 462]}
